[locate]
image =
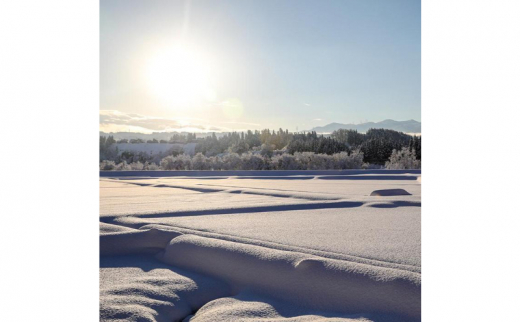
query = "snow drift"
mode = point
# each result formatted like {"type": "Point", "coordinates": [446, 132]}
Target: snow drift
{"type": "Point", "coordinates": [324, 284]}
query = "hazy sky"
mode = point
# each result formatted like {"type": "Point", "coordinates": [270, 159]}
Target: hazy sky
{"type": "Point", "coordinates": [251, 64]}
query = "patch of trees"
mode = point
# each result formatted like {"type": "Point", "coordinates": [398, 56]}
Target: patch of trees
{"type": "Point", "coordinates": [132, 157]}
{"type": "Point", "coordinates": [243, 142]}
{"type": "Point", "coordinates": [246, 161]}
{"type": "Point", "coordinates": [377, 144]}
{"type": "Point", "coordinates": [403, 159]}
{"type": "Point", "coordinates": [311, 142]}
{"type": "Point", "coordinates": [176, 138]}
{"type": "Point", "coordinates": [415, 145]}
{"type": "Point", "coordinates": [105, 142]}
{"type": "Point", "coordinates": [111, 165]}
{"type": "Point", "coordinates": [109, 152]}
{"type": "Point", "coordinates": [179, 138]}
{"type": "Point", "coordinates": [352, 138]}
{"type": "Point", "coordinates": [143, 157]}
{"type": "Point", "coordinates": [106, 150]}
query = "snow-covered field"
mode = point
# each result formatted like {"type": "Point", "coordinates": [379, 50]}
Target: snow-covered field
{"type": "Point", "coordinates": [239, 246]}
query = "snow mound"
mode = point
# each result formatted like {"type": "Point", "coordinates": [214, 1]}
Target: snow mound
{"type": "Point", "coordinates": [252, 308]}
{"type": "Point", "coordinates": [105, 228]}
{"type": "Point", "coordinates": [390, 192]}
{"type": "Point", "coordinates": [140, 289]}
{"type": "Point", "coordinates": [309, 281]}
{"type": "Point", "coordinates": [135, 242]}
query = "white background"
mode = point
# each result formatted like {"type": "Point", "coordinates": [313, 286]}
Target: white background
{"type": "Point", "coordinates": [49, 101]}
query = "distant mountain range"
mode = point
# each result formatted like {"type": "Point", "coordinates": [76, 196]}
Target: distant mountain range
{"type": "Point", "coordinates": [154, 135]}
{"type": "Point", "coordinates": [409, 126]}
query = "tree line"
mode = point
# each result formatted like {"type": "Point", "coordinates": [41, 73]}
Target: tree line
{"type": "Point", "coordinates": [177, 138]}
{"type": "Point", "coordinates": [376, 145]}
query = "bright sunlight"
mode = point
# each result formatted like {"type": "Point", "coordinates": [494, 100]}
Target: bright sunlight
{"type": "Point", "coordinates": [179, 76]}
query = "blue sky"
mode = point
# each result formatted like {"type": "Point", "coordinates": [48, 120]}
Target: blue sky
{"type": "Point", "coordinates": [267, 64]}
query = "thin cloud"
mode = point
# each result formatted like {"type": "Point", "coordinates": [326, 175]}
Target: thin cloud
{"type": "Point", "coordinates": [118, 121]}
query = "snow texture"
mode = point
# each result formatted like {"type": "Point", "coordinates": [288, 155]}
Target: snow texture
{"type": "Point", "coordinates": [309, 246]}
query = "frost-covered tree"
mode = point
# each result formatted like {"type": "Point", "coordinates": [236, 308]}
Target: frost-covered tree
{"type": "Point", "coordinates": [284, 162]}
{"type": "Point", "coordinates": [231, 161]}
{"type": "Point", "coordinates": [403, 159]}
{"type": "Point", "coordinates": [311, 161]}
{"type": "Point", "coordinates": [345, 161]}
{"type": "Point", "coordinates": [199, 162]}
{"type": "Point", "coordinates": [151, 166]}
{"type": "Point", "coordinates": [168, 163]}
{"type": "Point", "coordinates": [253, 162]}
{"type": "Point", "coordinates": [107, 165]}
{"type": "Point", "coordinates": [123, 166]}
{"type": "Point", "coordinates": [239, 148]}
{"type": "Point", "coordinates": [175, 151]}
{"type": "Point", "coordinates": [304, 159]}
{"type": "Point", "coordinates": [214, 163]}
{"type": "Point", "coordinates": [180, 162]}
{"type": "Point", "coordinates": [136, 166]}
{"type": "Point", "coordinates": [267, 150]}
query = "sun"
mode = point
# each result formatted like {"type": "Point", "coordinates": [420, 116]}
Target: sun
{"type": "Point", "coordinates": [179, 76]}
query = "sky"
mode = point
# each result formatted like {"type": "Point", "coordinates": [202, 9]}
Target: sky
{"type": "Point", "coordinates": [204, 65]}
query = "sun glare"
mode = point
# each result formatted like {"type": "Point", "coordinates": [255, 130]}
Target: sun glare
{"type": "Point", "coordinates": [179, 76]}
